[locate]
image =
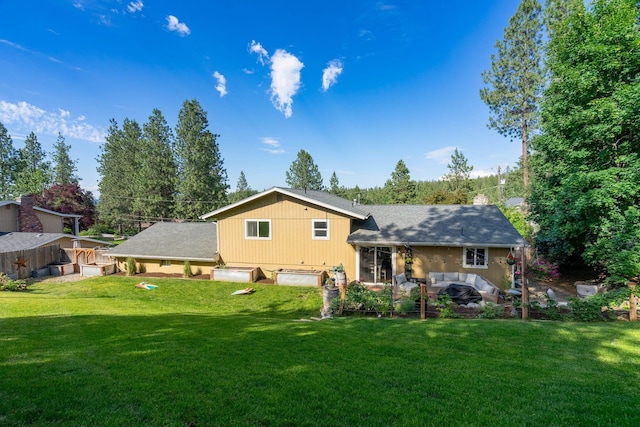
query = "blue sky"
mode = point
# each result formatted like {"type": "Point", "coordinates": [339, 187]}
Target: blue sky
{"type": "Point", "coordinates": [358, 84]}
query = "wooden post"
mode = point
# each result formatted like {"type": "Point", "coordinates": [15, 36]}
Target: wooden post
{"type": "Point", "coordinates": [423, 302]}
{"type": "Point", "coordinates": [343, 291]}
{"type": "Point", "coordinates": [525, 288]}
{"type": "Point", "coordinates": [633, 313]}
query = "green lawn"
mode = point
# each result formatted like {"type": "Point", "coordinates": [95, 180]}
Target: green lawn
{"type": "Point", "coordinates": [101, 352]}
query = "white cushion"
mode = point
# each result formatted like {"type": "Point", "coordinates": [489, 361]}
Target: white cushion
{"type": "Point", "coordinates": [438, 276]}
{"type": "Point", "coordinates": [471, 279]}
{"type": "Point", "coordinates": [462, 277]}
{"type": "Point", "coordinates": [401, 278]}
{"type": "Point", "coordinates": [451, 276]}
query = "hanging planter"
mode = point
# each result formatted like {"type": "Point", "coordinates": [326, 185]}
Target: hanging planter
{"type": "Point", "coordinates": [511, 260]}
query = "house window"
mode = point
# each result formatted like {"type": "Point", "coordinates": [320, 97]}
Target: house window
{"type": "Point", "coordinates": [165, 263]}
{"type": "Point", "coordinates": [320, 229]}
{"type": "Point", "coordinates": [476, 257]}
{"type": "Point", "coordinates": [258, 229]}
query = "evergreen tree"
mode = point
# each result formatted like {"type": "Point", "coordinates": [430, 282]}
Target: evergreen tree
{"type": "Point", "coordinates": [334, 185]}
{"type": "Point", "coordinates": [304, 173]}
{"type": "Point", "coordinates": [64, 169]}
{"type": "Point", "coordinates": [515, 81]}
{"type": "Point", "coordinates": [586, 193]}
{"type": "Point", "coordinates": [118, 168]}
{"type": "Point", "coordinates": [202, 179]}
{"type": "Point", "coordinates": [243, 190]}
{"type": "Point", "coordinates": [400, 189]}
{"type": "Point", "coordinates": [459, 176]}
{"type": "Point", "coordinates": [156, 173]}
{"type": "Point", "coordinates": [34, 172]}
{"type": "Point", "coordinates": [8, 164]}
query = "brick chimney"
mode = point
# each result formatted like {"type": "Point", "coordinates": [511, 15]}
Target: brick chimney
{"type": "Point", "coordinates": [28, 221]}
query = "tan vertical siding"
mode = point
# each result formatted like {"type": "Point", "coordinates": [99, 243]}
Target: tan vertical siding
{"type": "Point", "coordinates": [291, 244]}
{"type": "Point", "coordinates": [433, 258]}
{"type": "Point", "coordinates": [50, 223]}
{"type": "Point", "coordinates": [8, 218]}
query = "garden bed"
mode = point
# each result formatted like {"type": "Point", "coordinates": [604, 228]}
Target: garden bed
{"type": "Point", "coordinates": [235, 274]}
{"type": "Point", "coordinates": [299, 277]}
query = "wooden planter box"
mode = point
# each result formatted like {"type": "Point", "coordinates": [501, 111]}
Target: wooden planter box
{"type": "Point", "coordinates": [97, 269]}
{"type": "Point", "coordinates": [61, 269]}
{"type": "Point", "coordinates": [235, 274]}
{"type": "Point", "coordinates": [299, 277]}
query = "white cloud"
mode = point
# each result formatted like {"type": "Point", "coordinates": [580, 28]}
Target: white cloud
{"type": "Point", "coordinates": [481, 173]}
{"type": "Point", "coordinates": [135, 6]}
{"type": "Point", "coordinates": [331, 73]}
{"type": "Point", "coordinates": [441, 155]}
{"type": "Point", "coordinates": [263, 55]}
{"type": "Point", "coordinates": [29, 118]}
{"type": "Point", "coordinates": [285, 76]}
{"type": "Point", "coordinates": [173, 24]}
{"type": "Point", "coordinates": [221, 86]}
{"type": "Point", "coordinates": [285, 80]}
{"type": "Point", "coordinates": [272, 142]}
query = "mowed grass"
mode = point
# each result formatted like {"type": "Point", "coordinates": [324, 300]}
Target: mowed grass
{"type": "Point", "coordinates": [100, 352]}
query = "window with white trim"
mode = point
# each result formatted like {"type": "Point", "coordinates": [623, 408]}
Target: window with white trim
{"type": "Point", "coordinates": [476, 257]}
{"type": "Point", "coordinates": [257, 229]}
{"type": "Point", "coordinates": [320, 229]}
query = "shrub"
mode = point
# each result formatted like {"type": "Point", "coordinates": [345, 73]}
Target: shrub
{"type": "Point", "coordinates": [131, 266]}
{"type": "Point", "coordinates": [406, 305]}
{"type": "Point", "coordinates": [444, 305]}
{"type": "Point", "coordinates": [491, 311]}
{"type": "Point", "coordinates": [9, 285]}
{"type": "Point", "coordinates": [541, 269]}
{"type": "Point", "coordinates": [187, 269]}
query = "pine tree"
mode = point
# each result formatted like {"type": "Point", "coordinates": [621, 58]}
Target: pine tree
{"type": "Point", "coordinates": [459, 175]}
{"type": "Point", "coordinates": [64, 169]}
{"type": "Point", "coordinates": [515, 81]}
{"type": "Point", "coordinates": [118, 169]}
{"type": "Point", "coordinates": [156, 173]}
{"type": "Point", "coordinates": [334, 184]}
{"type": "Point", "coordinates": [303, 173]}
{"type": "Point", "coordinates": [8, 164]}
{"type": "Point", "coordinates": [202, 178]}
{"type": "Point", "coordinates": [34, 172]}
{"type": "Point", "coordinates": [400, 189]}
{"type": "Point", "coordinates": [243, 190]}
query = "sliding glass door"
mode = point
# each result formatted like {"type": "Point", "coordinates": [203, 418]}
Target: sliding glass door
{"type": "Point", "coordinates": [375, 264]}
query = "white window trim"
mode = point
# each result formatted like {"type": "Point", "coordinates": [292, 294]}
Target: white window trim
{"type": "Point", "coordinates": [486, 257]}
{"type": "Point", "coordinates": [313, 229]}
{"type": "Point", "coordinates": [258, 221]}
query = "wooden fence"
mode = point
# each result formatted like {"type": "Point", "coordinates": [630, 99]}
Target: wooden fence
{"type": "Point", "coordinates": [24, 261]}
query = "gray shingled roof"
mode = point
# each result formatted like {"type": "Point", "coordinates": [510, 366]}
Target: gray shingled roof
{"type": "Point", "coordinates": [320, 198]}
{"type": "Point", "coordinates": [18, 241]}
{"type": "Point", "coordinates": [436, 225]}
{"type": "Point", "coordinates": [193, 241]}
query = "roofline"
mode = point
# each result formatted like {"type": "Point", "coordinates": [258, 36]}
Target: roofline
{"type": "Point", "coordinates": [169, 257]}
{"type": "Point", "coordinates": [38, 208]}
{"type": "Point", "coordinates": [285, 192]}
{"type": "Point", "coordinates": [440, 244]}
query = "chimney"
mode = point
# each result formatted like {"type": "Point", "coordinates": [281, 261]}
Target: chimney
{"type": "Point", "coordinates": [28, 221]}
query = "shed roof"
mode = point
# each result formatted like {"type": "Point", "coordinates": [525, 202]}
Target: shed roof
{"type": "Point", "coordinates": [193, 241]}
